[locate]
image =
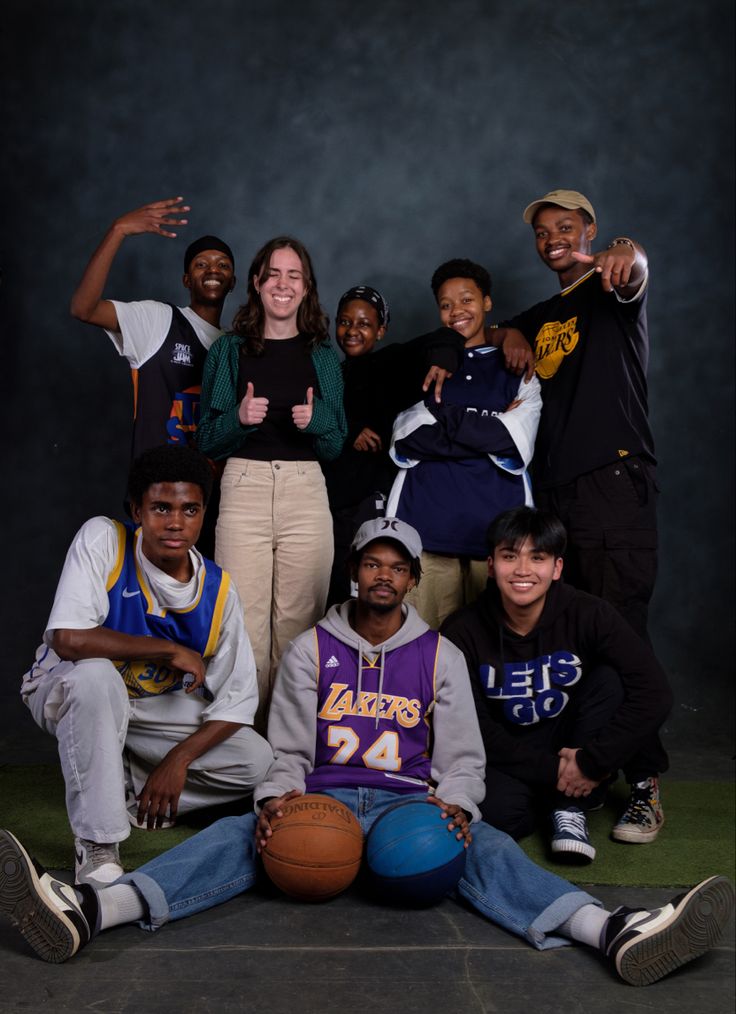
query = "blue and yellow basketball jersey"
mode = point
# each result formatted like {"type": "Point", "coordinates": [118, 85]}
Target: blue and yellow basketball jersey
{"type": "Point", "coordinates": [134, 610]}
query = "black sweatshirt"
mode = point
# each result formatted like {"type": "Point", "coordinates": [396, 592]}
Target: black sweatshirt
{"type": "Point", "coordinates": [575, 633]}
{"type": "Point", "coordinates": [378, 386]}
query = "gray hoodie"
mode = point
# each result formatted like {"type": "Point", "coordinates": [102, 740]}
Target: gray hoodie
{"type": "Point", "coordinates": [458, 758]}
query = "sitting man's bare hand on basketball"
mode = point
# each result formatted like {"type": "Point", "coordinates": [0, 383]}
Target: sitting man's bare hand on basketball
{"type": "Point", "coordinates": [269, 810]}
{"type": "Point", "coordinates": [459, 819]}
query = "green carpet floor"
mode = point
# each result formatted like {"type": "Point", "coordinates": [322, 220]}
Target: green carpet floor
{"type": "Point", "coordinates": [697, 839]}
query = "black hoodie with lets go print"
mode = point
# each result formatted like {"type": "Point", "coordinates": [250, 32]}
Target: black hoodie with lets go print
{"type": "Point", "coordinates": [519, 681]}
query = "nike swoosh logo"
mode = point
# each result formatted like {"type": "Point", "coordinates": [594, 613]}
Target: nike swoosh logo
{"type": "Point", "coordinates": [129, 595]}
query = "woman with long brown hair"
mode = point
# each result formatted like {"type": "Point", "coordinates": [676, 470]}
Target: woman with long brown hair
{"type": "Point", "coordinates": [272, 407]}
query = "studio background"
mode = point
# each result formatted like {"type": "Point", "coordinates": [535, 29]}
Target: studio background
{"type": "Point", "coordinates": [388, 137]}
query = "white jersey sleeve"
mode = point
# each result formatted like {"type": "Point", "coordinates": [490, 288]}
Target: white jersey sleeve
{"type": "Point", "coordinates": [143, 326]}
{"type": "Point", "coordinates": [81, 601]}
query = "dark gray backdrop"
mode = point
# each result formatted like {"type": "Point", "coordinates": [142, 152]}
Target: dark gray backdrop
{"type": "Point", "coordinates": [388, 136]}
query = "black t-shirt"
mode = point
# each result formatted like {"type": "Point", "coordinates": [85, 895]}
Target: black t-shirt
{"type": "Point", "coordinates": [592, 352]}
{"type": "Point", "coordinates": [282, 374]}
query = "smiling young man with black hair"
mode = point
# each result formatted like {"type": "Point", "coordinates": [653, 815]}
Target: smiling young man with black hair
{"type": "Point", "coordinates": [565, 691]}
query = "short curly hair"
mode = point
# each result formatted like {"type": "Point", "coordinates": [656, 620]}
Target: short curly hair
{"type": "Point", "coordinates": [460, 267]}
{"type": "Point", "coordinates": [169, 463]}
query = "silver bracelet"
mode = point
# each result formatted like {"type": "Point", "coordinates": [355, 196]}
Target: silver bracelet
{"type": "Point", "coordinates": [621, 241]}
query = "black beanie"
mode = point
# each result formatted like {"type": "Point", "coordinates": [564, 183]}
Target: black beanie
{"type": "Point", "coordinates": [206, 243]}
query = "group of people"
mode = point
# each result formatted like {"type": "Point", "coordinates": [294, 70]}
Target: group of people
{"type": "Point", "coordinates": [490, 687]}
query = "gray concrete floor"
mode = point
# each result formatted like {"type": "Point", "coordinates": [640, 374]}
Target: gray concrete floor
{"type": "Point", "coordinates": [349, 955]}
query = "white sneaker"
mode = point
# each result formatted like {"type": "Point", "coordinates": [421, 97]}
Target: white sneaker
{"type": "Point", "coordinates": [96, 863]}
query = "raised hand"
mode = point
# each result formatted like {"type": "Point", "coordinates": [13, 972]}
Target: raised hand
{"type": "Point", "coordinates": [152, 218]}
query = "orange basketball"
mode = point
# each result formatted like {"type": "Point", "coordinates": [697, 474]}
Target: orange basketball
{"type": "Point", "coordinates": [315, 850]}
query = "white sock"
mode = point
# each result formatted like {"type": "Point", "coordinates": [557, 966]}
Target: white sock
{"type": "Point", "coordinates": [119, 903]}
{"type": "Point", "coordinates": [585, 925]}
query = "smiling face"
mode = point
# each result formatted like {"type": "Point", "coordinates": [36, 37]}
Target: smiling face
{"type": "Point", "coordinates": [463, 307]}
{"type": "Point", "coordinates": [170, 515]}
{"type": "Point", "coordinates": [357, 327]}
{"type": "Point", "coordinates": [559, 233]}
{"type": "Point", "coordinates": [282, 287]}
{"type": "Point", "coordinates": [383, 576]}
{"type": "Point", "coordinates": [524, 575]}
{"type": "Point", "coordinates": [210, 278]}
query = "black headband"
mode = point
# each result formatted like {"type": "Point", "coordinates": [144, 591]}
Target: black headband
{"type": "Point", "coordinates": [369, 295]}
{"type": "Point", "coordinates": [206, 243]}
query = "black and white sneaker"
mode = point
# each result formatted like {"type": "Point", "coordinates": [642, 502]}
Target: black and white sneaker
{"type": "Point", "coordinates": [47, 911]}
{"type": "Point", "coordinates": [645, 946]}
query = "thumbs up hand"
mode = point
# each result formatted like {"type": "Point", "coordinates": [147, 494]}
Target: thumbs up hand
{"type": "Point", "coordinates": [252, 410]}
{"type": "Point", "coordinates": [302, 414]}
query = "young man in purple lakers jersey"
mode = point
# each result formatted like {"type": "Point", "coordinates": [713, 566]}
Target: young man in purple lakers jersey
{"type": "Point", "coordinates": [146, 676]}
{"type": "Point", "coordinates": [370, 707]}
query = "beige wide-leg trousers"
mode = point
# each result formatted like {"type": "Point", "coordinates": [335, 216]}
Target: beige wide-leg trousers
{"type": "Point", "coordinates": [274, 536]}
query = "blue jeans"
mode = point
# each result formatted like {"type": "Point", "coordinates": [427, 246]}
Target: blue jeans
{"type": "Point", "coordinates": [221, 862]}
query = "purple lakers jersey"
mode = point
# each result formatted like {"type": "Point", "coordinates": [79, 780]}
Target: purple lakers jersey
{"type": "Point", "coordinates": [374, 714]}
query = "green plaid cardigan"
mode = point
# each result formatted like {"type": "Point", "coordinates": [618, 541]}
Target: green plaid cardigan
{"type": "Point", "coordinates": [220, 432]}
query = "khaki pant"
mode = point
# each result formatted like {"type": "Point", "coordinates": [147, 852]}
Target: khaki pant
{"type": "Point", "coordinates": [447, 584]}
{"type": "Point", "coordinates": [274, 536]}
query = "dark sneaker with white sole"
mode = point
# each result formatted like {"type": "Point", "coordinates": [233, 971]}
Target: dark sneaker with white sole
{"type": "Point", "coordinates": [56, 919]}
{"type": "Point", "coordinates": [645, 946]}
{"type": "Point", "coordinates": [570, 838]}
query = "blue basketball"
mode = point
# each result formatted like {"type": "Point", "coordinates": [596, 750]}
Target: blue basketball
{"type": "Point", "coordinates": [413, 859]}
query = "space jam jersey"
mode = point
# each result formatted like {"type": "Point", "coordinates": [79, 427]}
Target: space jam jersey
{"type": "Point", "coordinates": [167, 389]}
{"type": "Point", "coordinates": [373, 715]}
{"type": "Point", "coordinates": [134, 610]}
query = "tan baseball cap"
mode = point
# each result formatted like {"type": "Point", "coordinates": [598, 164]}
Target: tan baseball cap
{"type": "Point", "coordinates": [563, 199]}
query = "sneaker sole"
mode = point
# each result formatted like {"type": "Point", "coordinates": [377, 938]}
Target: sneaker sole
{"type": "Point", "coordinates": [573, 850]}
{"type": "Point", "coordinates": [693, 928]}
{"type": "Point", "coordinates": [635, 835]}
{"type": "Point", "coordinates": [51, 935]}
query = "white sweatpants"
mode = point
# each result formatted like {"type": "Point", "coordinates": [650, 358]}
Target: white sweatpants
{"type": "Point", "coordinates": [86, 706]}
